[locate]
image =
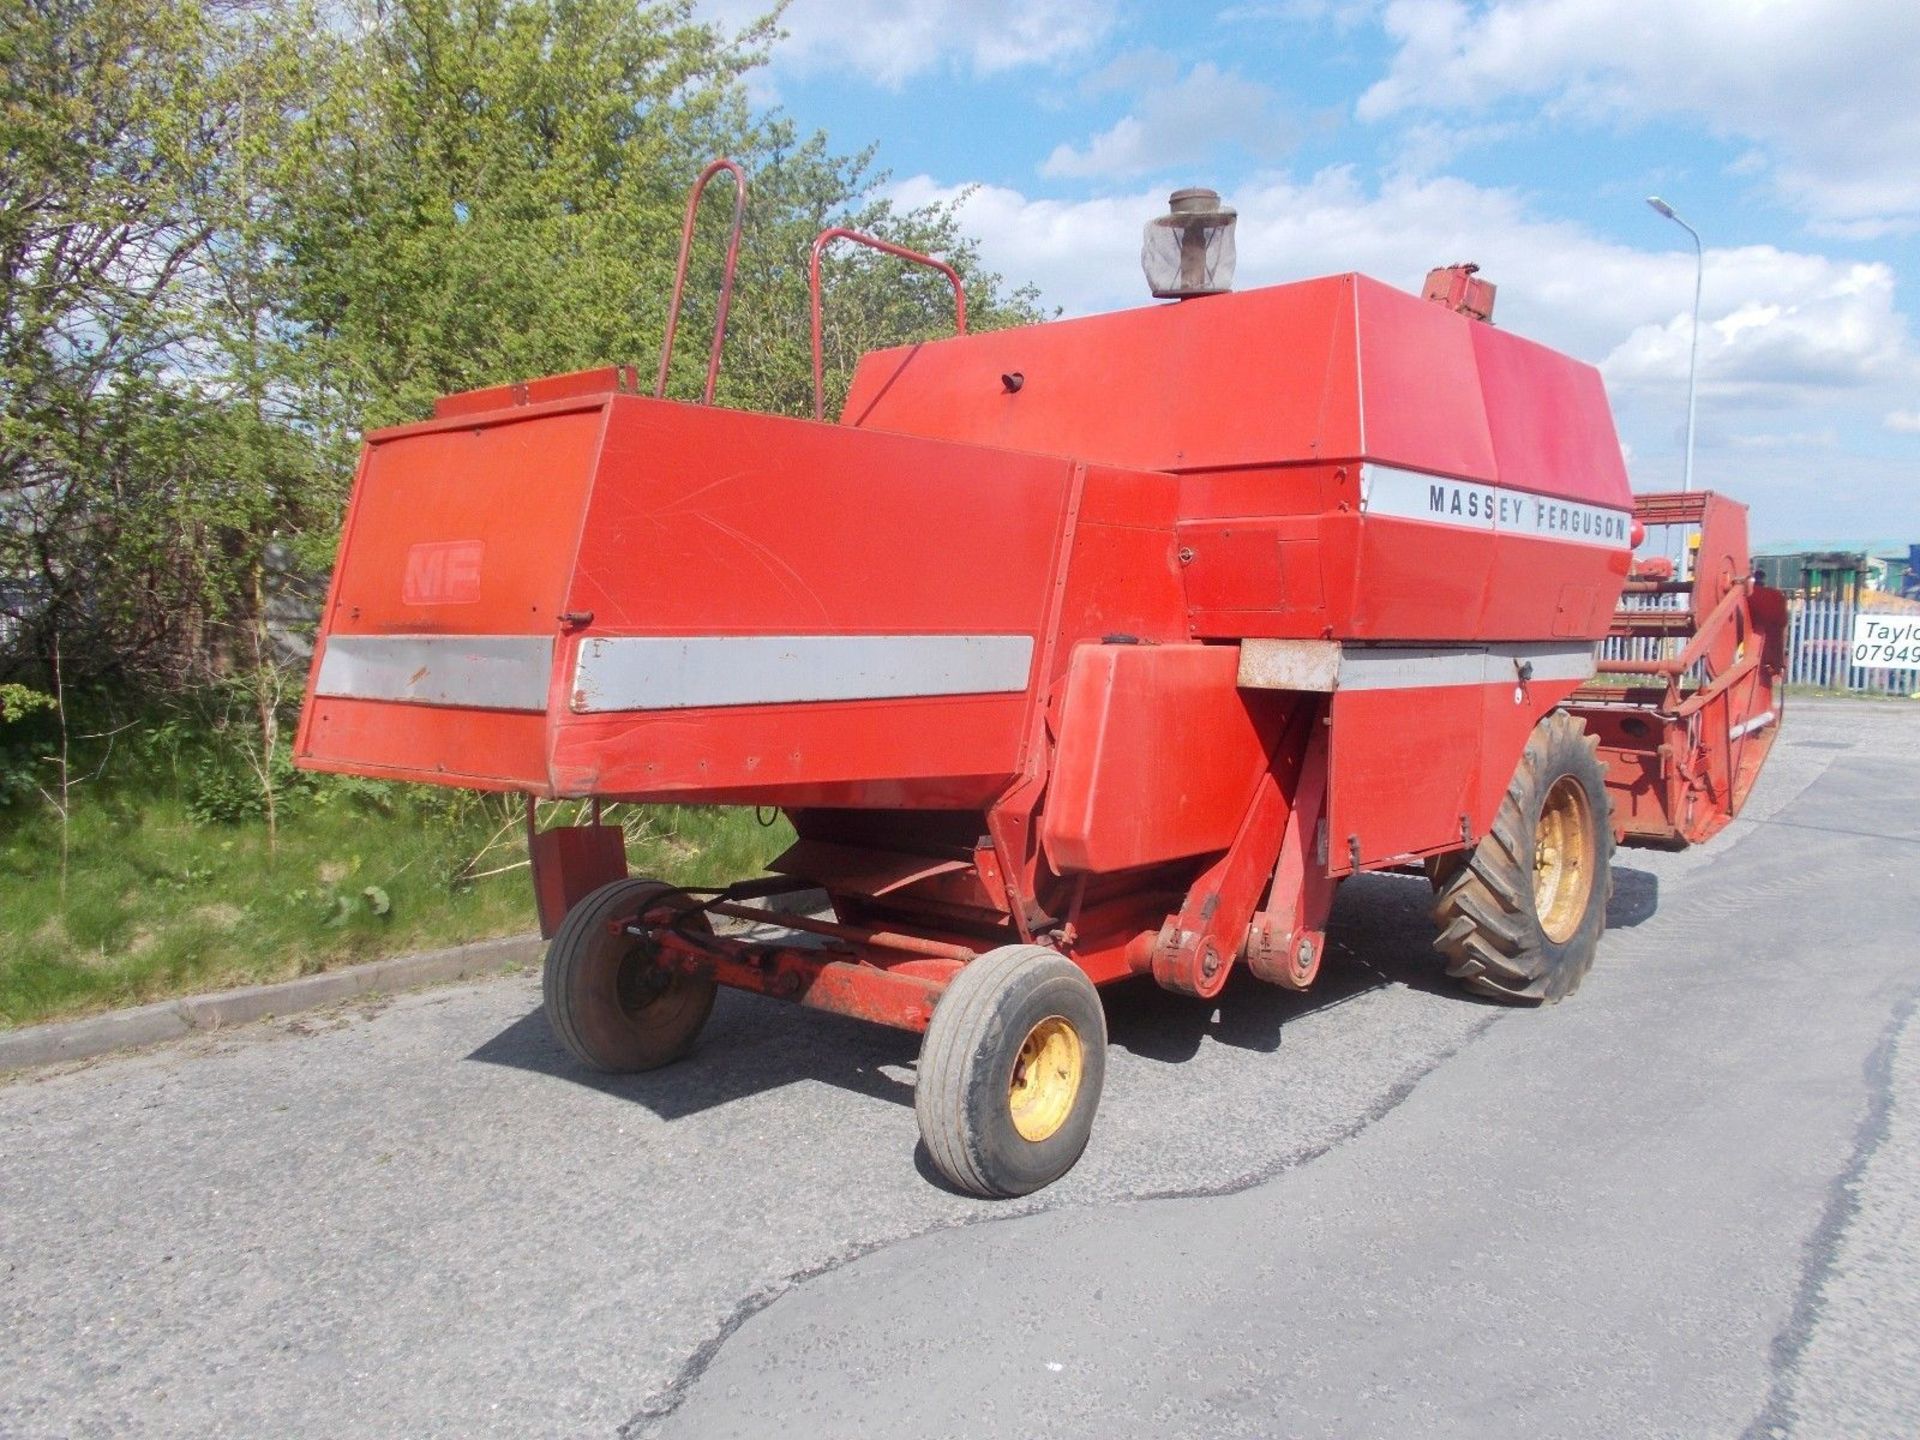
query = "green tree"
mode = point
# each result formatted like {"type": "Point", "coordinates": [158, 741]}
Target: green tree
{"type": "Point", "coordinates": [145, 452]}
{"type": "Point", "coordinates": [495, 192]}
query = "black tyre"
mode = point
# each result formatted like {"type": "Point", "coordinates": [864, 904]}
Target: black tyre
{"type": "Point", "coordinates": [1521, 914]}
{"type": "Point", "coordinates": [1010, 1071]}
{"type": "Point", "coordinates": [610, 1002]}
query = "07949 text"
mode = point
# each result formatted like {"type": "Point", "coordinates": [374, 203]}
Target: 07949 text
{"type": "Point", "coordinates": [1886, 642]}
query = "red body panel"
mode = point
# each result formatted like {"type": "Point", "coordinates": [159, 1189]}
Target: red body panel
{"type": "Point", "coordinates": [1342, 368]}
{"type": "Point", "coordinates": [1158, 753]}
{"type": "Point", "coordinates": [443, 491]}
{"type": "Point", "coordinates": [1222, 381]}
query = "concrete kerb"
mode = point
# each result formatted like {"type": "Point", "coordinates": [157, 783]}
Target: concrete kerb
{"type": "Point", "coordinates": [37, 1045]}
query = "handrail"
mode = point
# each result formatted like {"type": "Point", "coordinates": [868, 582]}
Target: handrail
{"type": "Point", "coordinates": [726, 283]}
{"type": "Point", "coordinates": [826, 238]}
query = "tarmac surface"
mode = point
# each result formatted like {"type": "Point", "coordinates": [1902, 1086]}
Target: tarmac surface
{"type": "Point", "coordinates": [1686, 1202]}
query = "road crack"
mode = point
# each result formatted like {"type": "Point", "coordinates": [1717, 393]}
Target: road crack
{"type": "Point", "coordinates": [1777, 1418]}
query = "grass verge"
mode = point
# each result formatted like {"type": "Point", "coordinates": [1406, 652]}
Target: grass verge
{"type": "Point", "coordinates": [153, 899]}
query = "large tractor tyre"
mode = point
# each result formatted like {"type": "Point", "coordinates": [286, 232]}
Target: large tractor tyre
{"type": "Point", "coordinates": [1520, 915]}
{"type": "Point", "coordinates": [1010, 1071]}
{"type": "Point", "coordinates": [611, 1003]}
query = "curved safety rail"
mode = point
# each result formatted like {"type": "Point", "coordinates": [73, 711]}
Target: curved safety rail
{"type": "Point", "coordinates": [694, 196]}
{"type": "Point", "coordinates": [826, 238]}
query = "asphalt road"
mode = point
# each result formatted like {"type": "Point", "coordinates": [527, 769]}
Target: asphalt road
{"type": "Point", "coordinates": [1687, 1202]}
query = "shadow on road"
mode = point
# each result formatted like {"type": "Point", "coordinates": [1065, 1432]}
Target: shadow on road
{"type": "Point", "coordinates": [751, 1045]}
{"type": "Point", "coordinates": [1636, 896]}
{"type": "Point", "coordinates": [1380, 935]}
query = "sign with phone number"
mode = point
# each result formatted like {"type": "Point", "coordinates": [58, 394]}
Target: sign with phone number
{"type": "Point", "coordinates": [1886, 642]}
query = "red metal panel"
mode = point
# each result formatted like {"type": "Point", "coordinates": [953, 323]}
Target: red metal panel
{"type": "Point", "coordinates": [436, 745]}
{"type": "Point", "coordinates": [1157, 758]}
{"type": "Point", "coordinates": [1507, 724]}
{"type": "Point", "coordinates": [714, 522]}
{"type": "Point", "coordinates": [569, 863]}
{"type": "Point", "coordinates": [1234, 565]}
{"type": "Point", "coordinates": [1310, 516]}
{"type": "Point", "coordinates": [1300, 490]}
{"type": "Point", "coordinates": [1416, 581]}
{"type": "Point", "coordinates": [1422, 404]}
{"type": "Point", "coordinates": [1222, 380]}
{"type": "Point", "coordinates": [1552, 429]}
{"type": "Point", "coordinates": [1551, 588]}
{"type": "Point", "coordinates": [465, 489]}
{"type": "Point", "coordinates": [1402, 768]}
{"type": "Point", "coordinates": [1411, 767]}
{"type": "Point", "coordinates": [947, 752]}
{"type": "Point", "coordinates": [440, 541]}
{"type": "Point", "coordinates": [605, 380]}
{"type": "Point", "coordinates": [1123, 575]}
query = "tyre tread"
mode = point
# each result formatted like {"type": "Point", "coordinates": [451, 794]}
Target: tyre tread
{"type": "Point", "coordinates": [1484, 906]}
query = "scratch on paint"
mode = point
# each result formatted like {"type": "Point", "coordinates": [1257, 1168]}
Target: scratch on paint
{"type": "Point", "coordinates": [684, 502]}
{"type": "Point", "coordinates": [774, 565]}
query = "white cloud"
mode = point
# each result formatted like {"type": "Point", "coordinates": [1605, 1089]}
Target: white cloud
{"type": "Point", "coordinates": [1776, 323]}
{"type": "Point", "coordinates": [892, 41]}
{"type": "Point", "coordinates": [1906, 421]}
{"type": "Point", "coordinates": [1177, 121]}
{"type": "Point", "coordinates": [1827, 87]}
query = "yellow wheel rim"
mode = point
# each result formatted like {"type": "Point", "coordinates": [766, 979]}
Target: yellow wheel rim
{"type": "Point", "coordinates": [1046, 1078]}
{"type": "Point", "coordinates": [1563, 859]}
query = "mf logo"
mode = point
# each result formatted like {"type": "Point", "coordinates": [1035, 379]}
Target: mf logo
{"type": "Point", "coordinates": [443, 572]}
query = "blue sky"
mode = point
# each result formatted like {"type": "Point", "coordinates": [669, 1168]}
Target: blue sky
{"type": "Point", "coordinates": [1389, 136]}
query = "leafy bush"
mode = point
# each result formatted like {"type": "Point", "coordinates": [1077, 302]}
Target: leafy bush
{"type": "Point", "coordinates": [216, 794]}
{"type": "Point", "coordinates": [22, 750]}
{"type": "Point", "coordinates": [19, 701]}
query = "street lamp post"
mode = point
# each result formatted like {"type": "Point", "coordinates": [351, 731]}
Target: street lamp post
{"type": "Point", "coordinates": [1693, 357]}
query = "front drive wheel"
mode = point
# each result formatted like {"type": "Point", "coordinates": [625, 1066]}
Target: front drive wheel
{"type": "Point", "coordinates": [610, 1002]}
{"type": "Point", "coordinates": [1520, 915]}
{"type": "Point", "coordinates": [1010, 1071]}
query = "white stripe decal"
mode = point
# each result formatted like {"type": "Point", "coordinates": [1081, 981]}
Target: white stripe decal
{"type": "Point", "coordinates": [484, 672]}
{"type": "Point", "coordinates": [678, 672]}
{"type": "Point", "coordinates": [1468, 504]}
{"type": "Point", "coordinates": [1297, 665]}
{"type": "Point", "coordinates": [1397, 668]}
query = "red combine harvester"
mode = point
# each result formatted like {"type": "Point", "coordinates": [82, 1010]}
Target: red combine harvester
{"type": "Point", "coordinates": [1087, 650]}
